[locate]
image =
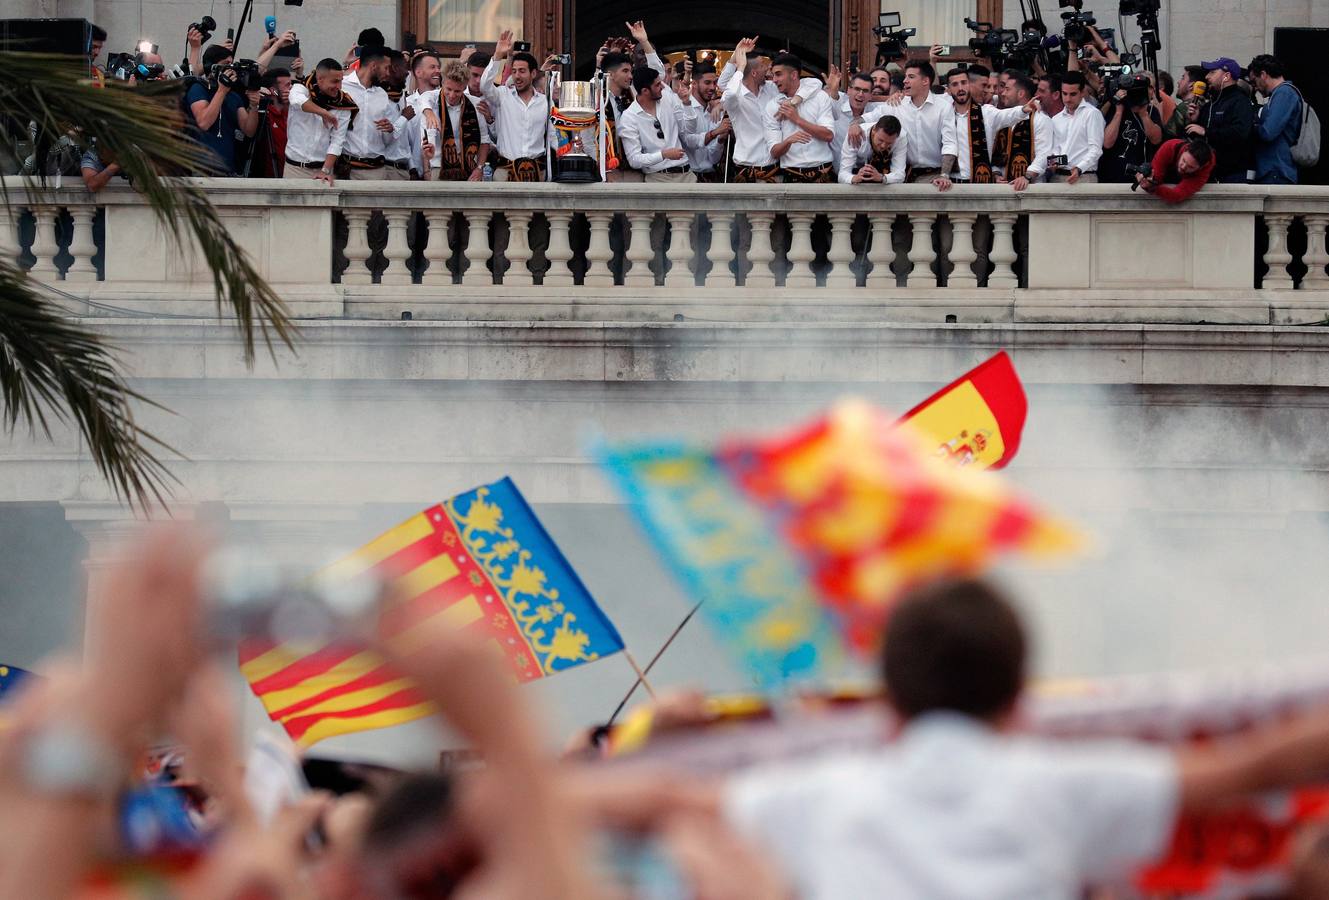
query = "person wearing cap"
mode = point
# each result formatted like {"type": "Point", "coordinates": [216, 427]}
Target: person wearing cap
{"type": "Point", "coordinates": [1226, 122]}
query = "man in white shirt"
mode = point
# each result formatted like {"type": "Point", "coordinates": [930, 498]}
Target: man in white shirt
{"type": "Point", "coordinates": [1077, 133]}
{"type": "Point", "coordinates": [799, 135]}
{"type": "Point", "coordinates": [522, 130]}
{"type": "Point", "coordinates": [1021, 151]}
{"type": "Point", "coordinates": [707, 160]}
{"type": "Point", "coordinates": [476, 61]}
{"type": "Point", "coordinates": [657, 127]}
{"type": "Point", "coordinates": [397, 155]}
{"type": "Point", "coordinates": [372, 130]}
{"type": "Point", "coordinates": [880, 158]}
{"type": "Point", "coordinates": [452, 135]}
{"type": "Point", "coordinates": [856, 108]}
{"type": "Point", "coordinates": [959, 806]}
{"type": "Point", "coordinates": [981, 89]}
{"type": "Point", "coordinates": [968, 132]}
{"type": "Point", "coordinates": [923, 115]}
{"type": "Point", "coordinates": [317, 119]}
{"type": "Point", "coordinates": [746, 95]}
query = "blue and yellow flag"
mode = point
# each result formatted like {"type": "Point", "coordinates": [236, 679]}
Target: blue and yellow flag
{"type": "Point", "coordinates": [480, 562]}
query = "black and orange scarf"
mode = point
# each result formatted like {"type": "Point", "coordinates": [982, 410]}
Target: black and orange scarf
{"type": "Point", "coordinates": [526, 171]}
{"type": "Point", "coordinates": [810, 175]}
{"type": "Point", "coordinates": [612, 111]}
{"type": "Point", "coordinates": [341, 101]}
{"type": "Point", "coordinates": [979, 161]}
{"type": "Point", "coordinates": [458, 166]}
{"type": "Point", "coordinates": [755, 174]}
{"type": "Point", "coordinates": [1015, 148]}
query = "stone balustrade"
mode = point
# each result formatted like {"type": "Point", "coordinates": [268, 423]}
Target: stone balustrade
{"type": "Point", "coordinates": [1092, 253]}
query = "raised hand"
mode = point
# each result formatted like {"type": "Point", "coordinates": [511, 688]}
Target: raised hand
{"type": "Point", "coordinates": [504, 45]}
{"type": "Point", "coordinates": [638, 31]}
{"type": "Point", "coordinates": [833, 78]}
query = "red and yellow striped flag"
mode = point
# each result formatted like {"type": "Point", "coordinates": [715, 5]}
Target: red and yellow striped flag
{"type": "Point", "coordinates": [481, 562]}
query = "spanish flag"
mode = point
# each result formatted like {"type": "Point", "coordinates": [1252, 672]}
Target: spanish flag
{"type": "Point", "coordinates": [481, 562]}
{"type": "Point", "coordinates": [976, 419]}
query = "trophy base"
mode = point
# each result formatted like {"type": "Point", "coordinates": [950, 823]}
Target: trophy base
{"type": "Point", "coordinates": [576, 168]}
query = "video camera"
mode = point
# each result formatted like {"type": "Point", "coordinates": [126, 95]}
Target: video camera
{"type": "Point", "coordinates": [994, 43]}
{"type": "Point", "coordinates": [892, 40]}
{"type": "Point", "coordinates": [124, 66]}
{"type": "Point", "coordinates": [244, 75]}
{"type": "Point", "coordinates": [1075, 27]}
{"type": "Point", "coordinates": [1124, 78]}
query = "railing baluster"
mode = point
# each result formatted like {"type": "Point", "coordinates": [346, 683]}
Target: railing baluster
{"type": "Point", "coordinates": [438, 249]}
{"type": "Point", "coordinates": [1003, 251]}
{"type": "Point", "coordinates": [44, 246]}
{"type": "Point", "coordinates": [921, 253]}
{"type": "Point", "coordinates": [721, 252]}
{"type": "Point", "coordinates": [962, 253]}
{"type": "Point", "coordinates": [881, 252]}
{"type": "Point", "coordinates": [841, 253]}
{"type": "Point", "coordinates": [761, 254]}
{"type": "Point", "coordinates": [1317, 253]}
{"type": "Point", "coordinates": [357, 248]}
{"type": "Point", "coordinates": [396, 253]}
{"type": "Point", "coordinates": [82, 246]}
{"type": "Point", "coordinates": [477, 249]}
{"type": "Point", "coordinates": [639, 252]}
{"type": "Point", "coordinates": [518, 273]}
{"type": "Point", "coordinates": [680, 250]}
{"type": "Point", "coordinates": [9, 241]}
{"type": "Point", "coordinates": [559, 253]}
{"type": "Point", "coordinates": [1277, 256]}
{"type": "Point", "coordinates": [801, 254]}
{"type": "Point", "coordinates": [599, 255]}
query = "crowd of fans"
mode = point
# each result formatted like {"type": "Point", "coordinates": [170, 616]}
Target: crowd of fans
{"type": "Point", "coordinates": [956, 803]}
{"type": "Point", "coordinates": [383, 114]}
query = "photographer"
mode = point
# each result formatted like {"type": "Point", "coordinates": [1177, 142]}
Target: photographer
{"type": "Point", "coordinates": [216, 109]}
{"type": "Point", "coordinates": [1180, 168]}
{"type": "Point", "coordinates": [269, 154]}
{"type": "Point", "coordinates": [1134, 127]}
{"type": "Point", "coordinates": [1226, 122]}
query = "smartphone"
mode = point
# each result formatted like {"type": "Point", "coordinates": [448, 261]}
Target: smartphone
{"type": "Point", "coordinates": [230, 34]}
{"type": "Point", "coordinates": [521, 46]}
{"type": "Point", "coordinates": [469, 47]}
{"type": "Point", "coordinates": [945, 49]}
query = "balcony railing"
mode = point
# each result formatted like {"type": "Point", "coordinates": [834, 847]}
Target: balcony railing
{"type": "Point", "coordinates": [375, 249]}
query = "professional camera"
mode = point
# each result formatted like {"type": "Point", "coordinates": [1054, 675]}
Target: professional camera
{"type": "Point", "coordinates": [892, 40]}
{"type": "Point", "coordinates": [124, 66]}
{"type": "Point", "coordinates": [1124, 78]}
{"type": "Point", "coordinates": [994, 43]}
{"type": "Point", "coordinates": [205, 26]}
{"type": "Point", "coordinates": [1133, 169]}
{"type": "Point", "coordinates": [1075, 27]}
{"type": "Point", "coordinates": [238, 75]}
{"type": "Point", "coordinates": [563, 59]}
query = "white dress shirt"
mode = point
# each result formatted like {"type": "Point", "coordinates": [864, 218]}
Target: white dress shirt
{"type": "Point", "coordinates": [952, 810]}
{"type": "Point", "coordinates": [924, 124]}
{"type": "Point", "coordinates": [955, 134]}
{"type": "Point", "coordinates": [818, 109]}
{"type": "Point", "coordinates": [853, 157]}
{"type": "Point", "coordinates": [520, 127]}
{"type": "Point", "coordinates": [643, 145]}
{"type": "Point", "coordinates": [430, 100]}
{"type": "Point", "coordinates": [1044, 141]}
{"type": "Point", "coordinates": [363, 139]}
{"type": "Point", "coordinates": [308, 140]}
{"type": "Point", "coordinates": [706, 156]}
{"type": "Point", "coordinates": [844, 117]}
{"type": "Point", "coordinates": [399, 142]}
{"type": "Point", "coordinates": [1079, 137]}
{"type": "Point", "coordinates": [747, 114]}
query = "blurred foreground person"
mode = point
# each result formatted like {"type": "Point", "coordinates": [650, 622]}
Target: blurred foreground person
{"type": "Point", "coordinates": [958, 806]}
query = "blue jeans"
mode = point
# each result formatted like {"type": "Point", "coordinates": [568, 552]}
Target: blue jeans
{"type": "Point", "coordinates": [1274, 178]}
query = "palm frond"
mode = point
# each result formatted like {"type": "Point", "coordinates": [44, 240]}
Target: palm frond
{"type": "Point", "coordinates": [143, 130]}
{"type": "Point", "coordinates": [49, 363]}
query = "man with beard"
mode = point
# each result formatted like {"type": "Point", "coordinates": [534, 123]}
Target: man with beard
{"type": "Point", "coordinates": [880, 159]}
{"type": "Point", "coordinates": [463, 143]}
{"type": "Point", "coordinates": [980, 84]}
{"type": "Point", "coordinates": [965, 142]}
{"type": "Point", "coordinates": [372, 130]}
{"type": "Point", "coordinates": [707, 160]}
{"type": "Point", "coordinates": [1021, 150]}
{"type": "Point", "coordinates": [881, 83]}
{"type": "Point", "coordinates": [522, 130]}
{"type": "Point", "coordinates": [746, 96]}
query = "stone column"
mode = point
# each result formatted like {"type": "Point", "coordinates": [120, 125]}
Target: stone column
{"type": "Point", "coordinates": [1317, 254]}
{"type": "Point", "coordinates": [640, 252]}
{"type": "Point", "coordinates": [477, 249]}
{"type": "Point", "coordinates": [438, 250]}
{"type": "Point", "coordinates": [81, 246]}
{"type": "Point", "coordinates": [599, 255]}
{"type": "Point", "coordinates": [680, 250]}
{"type": "Point", "coordinates": [518, 273]}
{"type": "Point", "coordinates": [559, 253]}
{"type": "Point", "coordinates": [1277, 256]}
{"type": "Point", "coordinates": [801, 254]}
{"type": "Point", "coordinates": [397, 252]}
{"type": "Point", "coordinates": [721, 252]}
{"type": "Point", "coordinates": [761, 254]}
{"type": "Point", "coordinates": [962, 253]}
{"type": "Point", "coordinates": [357, 247]}
{"type": "Point", "coordinates": [44, 246]}
{"type": "Point", "coordinates": [921, 253]}
{"type": "Point", "coordinates": [841, 253]}
{"type": "Point", "coordinates": [882, 251]}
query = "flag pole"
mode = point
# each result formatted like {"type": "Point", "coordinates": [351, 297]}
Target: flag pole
{"type": "Point", "coordinates": [641, 676]}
